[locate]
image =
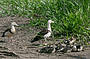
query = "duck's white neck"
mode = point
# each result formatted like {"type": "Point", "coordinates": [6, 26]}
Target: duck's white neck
{"type": "Point", "coordinates": [49, 27]}
{"type": "Point", "coordinates": [12, 28]}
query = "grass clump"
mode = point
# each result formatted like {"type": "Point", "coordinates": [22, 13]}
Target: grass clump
{"type": "Point", "coordinates": [71, 16]}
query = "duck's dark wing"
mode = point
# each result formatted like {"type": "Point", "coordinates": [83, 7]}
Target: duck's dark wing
{"type": "Point", "coordinates": [43, 32]}
{"type": "Point", "coordinates": [7, 30]}
{"type": "Point", "coordinates": [40, 35]}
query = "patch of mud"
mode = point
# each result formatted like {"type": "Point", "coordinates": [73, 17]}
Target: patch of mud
{"type": "Point", "coordinates": [19, 44]}
{"type": "Point", "coordinates": [7, 53]}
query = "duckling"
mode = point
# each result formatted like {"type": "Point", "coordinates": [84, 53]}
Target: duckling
{"type": "Point", "coordinates": [70, 41]}
{"type": "Point", "coordinates": [48, 49]}
{"type": "Point", "coordinates": [77, 48]}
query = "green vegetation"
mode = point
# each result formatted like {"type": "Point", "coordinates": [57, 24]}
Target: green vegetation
{"type": "Point", "coordinates": [71, 16]}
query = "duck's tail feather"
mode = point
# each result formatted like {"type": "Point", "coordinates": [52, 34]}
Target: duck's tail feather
{"type": "Point", "coordinates": [3, 35]}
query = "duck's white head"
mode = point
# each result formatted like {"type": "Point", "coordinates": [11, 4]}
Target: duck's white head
{"type": "Point", "coordinates": [50, 21]}
{"type": "Point", "coordinates": [14, 24]}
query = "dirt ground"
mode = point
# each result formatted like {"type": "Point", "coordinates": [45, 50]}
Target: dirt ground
{"type": "Point", "coordinates": [19, 46]}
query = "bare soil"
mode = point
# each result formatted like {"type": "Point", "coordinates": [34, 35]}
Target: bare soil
{"type": "Point", "coordinates": [20, 47]}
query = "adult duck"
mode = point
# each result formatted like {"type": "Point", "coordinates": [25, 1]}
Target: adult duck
{"type": "Point", "coordinates": [44, 33]}
{"type": "Point", "coordinates": [10, 31]}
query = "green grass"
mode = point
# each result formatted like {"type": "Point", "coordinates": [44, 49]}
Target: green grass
{"type": "Point", "coordinates": [71, 16]}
